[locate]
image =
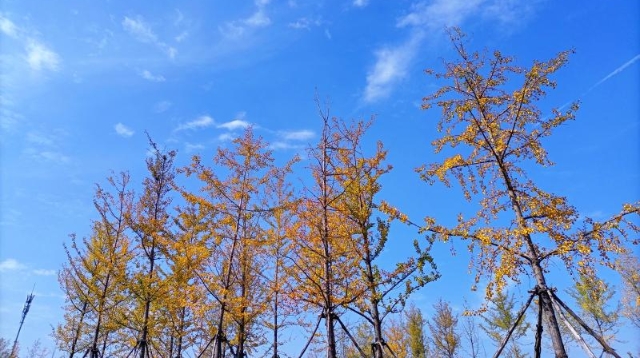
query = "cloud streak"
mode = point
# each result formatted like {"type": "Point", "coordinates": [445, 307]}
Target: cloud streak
{"type": "Point", "coordinates": [238, 28]}
{"type": "Point", "coordinates": [616, 71]}
{"type": "Point", "coordinates": [426, 18]}
{"type": "Point", "coordinates": [147, 75]}
{"type": "Point", "coordinates": [141, 31]}
{"type": "Point", "coordinates": [198, 123]}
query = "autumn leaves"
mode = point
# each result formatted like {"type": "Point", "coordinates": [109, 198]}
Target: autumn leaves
{"type": "Point", "coordinates": [220, 258]}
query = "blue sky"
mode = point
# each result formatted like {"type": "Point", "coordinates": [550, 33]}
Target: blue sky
{"type": "Point", "coordinates": [81, 81]}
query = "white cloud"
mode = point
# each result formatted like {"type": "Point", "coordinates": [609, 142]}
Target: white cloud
{"type": "Point", "coordinates": [283, 145]}
{"type": "Point", "coordinates": [142, 32]}
{"type": "Point", "coordinates": [8, 27]}
{"type": "Point", "coordinates": [139, 29]}
{"type": "Point", "coordinates": [200, 122]}
{"type": "Point", "coordinates": [258, 19]}
{"type": "Point", "coordinates": [234, 124]}
{"type": "Point", "coordinates": [42, 272]}
{"type": "Point", "coordinates": [40, 57]}
{"type": "Point", "coordinates": [183, 35]}
{"type": "Point", "coordinates": [427, 18]}
{"type": "Point", "coordinates": [151, 77]}
{"type": "Point", "coordinates": [225, 137]}
{"type": "Point", "coordinates": [10, 265]}
{"type": "Point", "coordinates": [439, 13]}
{"type": "Point", "coordinates": [360, 3]}
{"type": "Point", "coordinates": [41, 139]}
{"type": "Point", "coordinates": [190, 148]}
{"type": "Point", "coordinates": [304, 23]}
{"type": "Point", "coordinates": [238, 28]}
{"type": "Point", "coordinates": [390, 67]}
{"type": "Point", "coordinates": [53, 156]}
{"type": "Point", "coordinates": [297, 135]}
{"type": "Point", "coordinates": [123, 130]}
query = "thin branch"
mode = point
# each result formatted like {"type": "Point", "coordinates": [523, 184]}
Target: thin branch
{"type": "Point", "coordinates": [515, 325]}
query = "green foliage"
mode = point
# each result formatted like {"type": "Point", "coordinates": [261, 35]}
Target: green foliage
{"type": "Point", "coordinates": [500, 318]}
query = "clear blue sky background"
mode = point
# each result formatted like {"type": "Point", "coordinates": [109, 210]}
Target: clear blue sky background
{"type": "Point", "coordinates": [80, 82]}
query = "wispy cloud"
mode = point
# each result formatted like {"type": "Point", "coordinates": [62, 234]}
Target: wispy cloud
{"type": "Point", "coordinates": [426, 18]}
{"type": "Point", "coordinates": [297, 135]}
{"type": "Point", "coordinates": [234, 124]}
{"type": "Point", "coordinates": [147, 75]}
{"type": "Point", "coordinates": [198, 123]}
{"type": "Point", "coordinates": [360, 3]}
{"type": "Point", "coordinates": [440, 13]}
{"type": "Point", "coordinates": [141, 31]}
{"type": "Point", "coordinates": [40, 57]}
{"type": "Point", "coordinates": [304, 23]}
{"type": "Point", "coordinates": [11, 265]}
{"type": "Point", "coordinates": [43, 272]}
{"type": "Point", "coordinates": [616, 71]}
{"type": "Point", "coordinates": [8, 27]}
{"type": "Point", "coordinates": [190, 148]}
{"type": "Point", "coordinates": [238, 28]}
{"type": "Point", "coordinates": [52, 156]}
{"type": "Point", "coordinates": [390, 67]}
{"type": "Point", "coordinates": [46, 146]}
{"type": "Point", "coordinates": [123, 131]}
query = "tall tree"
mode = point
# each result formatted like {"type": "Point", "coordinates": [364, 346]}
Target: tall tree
{"type": "Point", "coordinates": [384, 291]}
{"type": "Point", "coordinates": [500, 317]}
{"type": "Point", "coordinates": [150, 222]}
{"type": "Point", "coordinates": [93, 279]}
{"type": "Point", "coordinates": [445, 335]}
{"type": "Point", "coordinates": [325, 255]}
{"type": "Point", "coordinates": [231, 209]}
{"type": "Point", "coordinates": [281, 225]}
{"type": "Point", "coordinates": [499, 133]}
{"type": "Point", "coordinates": [415, 329]}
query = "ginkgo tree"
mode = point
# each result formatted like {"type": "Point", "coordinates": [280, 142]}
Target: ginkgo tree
{"type": "Point", "coordinates": [495, 131]}
{"type": "Point", "coordinates": [93, 279]}
{"type": "Point", "coordinates": [384, 291]}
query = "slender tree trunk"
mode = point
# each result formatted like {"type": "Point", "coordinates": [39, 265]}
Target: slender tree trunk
{"type": "Point", "coordinates": [547, 306]}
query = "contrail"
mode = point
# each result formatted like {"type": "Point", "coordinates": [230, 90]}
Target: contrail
{"type": "Point", "coordinates": [616, 71]}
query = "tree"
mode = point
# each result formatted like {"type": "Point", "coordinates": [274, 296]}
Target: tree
{"type": "Point", "coordinates": [384, 291]}
{"type": "Point", "coordinates": [150, 223]}
{"type": "Point", "coordinates": [443, 325]}
{"type": "Point", "coordinates": [498, 132]}
{"type": "Point", "coordinates": [281, 225]}
{"type": "Point", "coordinates": [415, 330]}
{"type": "Point", "coordinates": [230, 212]}
{"type": "Point", "coordinates": [470, 335]}
{"type": "Point", "coordinates": [325, 255]}
{"type": "Point", "coordinates": [500, 318]}
{"type": "Point", "coordinates": [629, 268]}
{"type": "Point", "coordinates": [592, 297]}
{"type": "Point", "coordinates": [93, 278]}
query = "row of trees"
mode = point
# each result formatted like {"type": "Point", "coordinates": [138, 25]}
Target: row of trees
{"type": "Point", "coordinates": [227, 268]}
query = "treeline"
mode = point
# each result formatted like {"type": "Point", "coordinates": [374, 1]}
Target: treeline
{"type": "Point", "coordinates": [230, 268]}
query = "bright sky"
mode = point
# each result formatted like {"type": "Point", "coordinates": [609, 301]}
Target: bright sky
{"type": "Point", "coordinates": [80, 82]}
